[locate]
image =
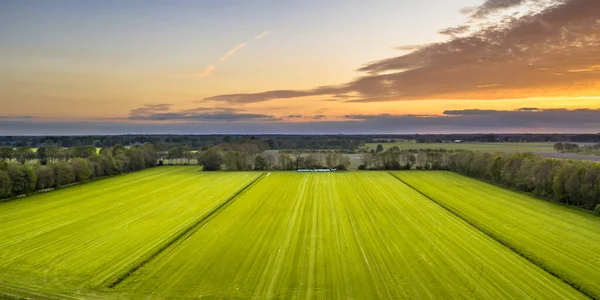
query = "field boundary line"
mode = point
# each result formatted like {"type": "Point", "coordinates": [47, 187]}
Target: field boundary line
{"type": "Point", "coordinates": [181, 236]}
{"type": "Point", "coordinates": [503, 243]}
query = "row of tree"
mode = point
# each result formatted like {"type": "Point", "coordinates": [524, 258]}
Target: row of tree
{"type": "Point", "coordinates": [21, 179]}
{"type": "Point", "coordinates": [218, 158]}
{"type": "Point", "coordinates": [46, 154]}
{"type": "Point", "coordinates": [396, 159]}
{"type": "Point", "coordinates": [573, 182]}
{"type": "Point", "coordinates": [593, 149]}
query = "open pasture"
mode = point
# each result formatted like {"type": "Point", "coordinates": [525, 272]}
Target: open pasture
{"type": "Point", "coordinates": [178, 233]}
{"type": "Point", "coordinates": [562, 240]}
{"type": "Point", "coordinates": [72, 239]}
{"type": "Point", "coordinates": [340, 236]}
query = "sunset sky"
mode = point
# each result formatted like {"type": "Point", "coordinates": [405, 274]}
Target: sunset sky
{"type": "Point", "coordinates": [311, 66]}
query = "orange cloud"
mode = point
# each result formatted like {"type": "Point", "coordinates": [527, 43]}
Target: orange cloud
{"type": "Point", "coordinates": [515, 53]}
{"type": "Point", "coordinates": [487, 86]}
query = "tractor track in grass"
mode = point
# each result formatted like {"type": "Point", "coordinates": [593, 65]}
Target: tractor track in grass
{"type": "Point", "coordinates": [181, 236]}
{"type": "Point", "coordinates": [503, 243]}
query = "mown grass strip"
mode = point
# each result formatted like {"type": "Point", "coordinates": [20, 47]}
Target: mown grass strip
{"type": "Point", "coordinates": [182, 235]}
{"type": "Point", "coordinates": [499, 240]}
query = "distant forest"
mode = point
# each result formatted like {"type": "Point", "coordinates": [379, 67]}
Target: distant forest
{"type": "Point", "coordinates": [283, 142]}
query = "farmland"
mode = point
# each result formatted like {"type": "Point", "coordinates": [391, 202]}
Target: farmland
{"type": "Point", "coordinates": [176, 232]}
{"type": "Point", "coordinates": [564, 241]}
{"type": "Point", "coordinates": [335, 236]}
{"type": "Point", "coordinates": [85, 234]}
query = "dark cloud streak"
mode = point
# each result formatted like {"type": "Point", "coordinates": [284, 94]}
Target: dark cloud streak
{"type": "Point", "coordinates": [150, 108]}
{"type": "Point", "coordinates": [161, 112]}
{"type": "Point", "coordinates": [20, 118]}
{"type": "Point", "coordinates": [453, 121]}
{"type": "Point", "coordinates": [229, 117]}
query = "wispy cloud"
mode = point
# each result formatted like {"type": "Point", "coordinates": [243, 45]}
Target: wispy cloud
{"type": "Point", "coordinates": [210, 68]}
{"type": "Point", "coordinates": [262, 35]}
{"type": "Point", "coordinates": [483, 86]}
{"type": "Point", "coordinates": [207, 71]}
{"type": "Point", "coordinates": [163, 112]}
{"type": "Point", "coordinates": [232, 51]}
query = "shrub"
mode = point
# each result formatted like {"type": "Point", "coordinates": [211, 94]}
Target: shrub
{"type": "Point", "coordinates": [5, 184]}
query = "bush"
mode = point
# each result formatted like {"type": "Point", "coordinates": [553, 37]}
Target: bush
{"type": "Point", "coordinates": [341, 167]}
{"type": "Point", "coordinates": [211, 159]}
{"type": "Point", "coordinates": [63, 174]}
{"type": "Point", "coordinates": [30, 178]}
{"type": "Point", "coordinates": [81, 169]}
{"type": "Point", "coordinates": [17, 178]}
{"type": "Point", "coordinates": [5, 184]}
{"type": "Point", "coordinates": [45, 177]}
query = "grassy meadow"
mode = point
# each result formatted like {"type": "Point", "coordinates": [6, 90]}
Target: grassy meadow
{"type": "Point", "coordinates": [562, 240]}
{"type": "Point", "coordinates": [340, 236]}
{"type": "Point", "coordinates": [84, 235]}
{"type": "Point", "coordinates": [178, 233]}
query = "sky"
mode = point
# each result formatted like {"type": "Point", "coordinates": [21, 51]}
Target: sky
{"type": "Point", "coordinates": [317, 67]}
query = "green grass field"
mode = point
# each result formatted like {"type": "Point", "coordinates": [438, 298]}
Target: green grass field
{"type": "Point", "coordinates": [178, 233]}
{"type": "Point", "coordinates": [562, 240]}
{"type": "Point", "coordinates": [79, 237]}
{"type": "Point", "coordinates": [488, 147]}
{"type": "Point", "coordinates": [341, 236]}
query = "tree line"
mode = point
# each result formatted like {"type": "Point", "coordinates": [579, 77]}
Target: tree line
{"type": "Point", "coordinates": [396, 159]}
{"type": "Point", "coordinates": [242, 158]}
{"type": "Point", "coordinates": [281, 142]}
{"type": "Point", "coordinates": [572, 182]}
{"type": "Point", "coordinates": [59, 167]}
{"type": "Point", "coordinates": [593, 149]}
